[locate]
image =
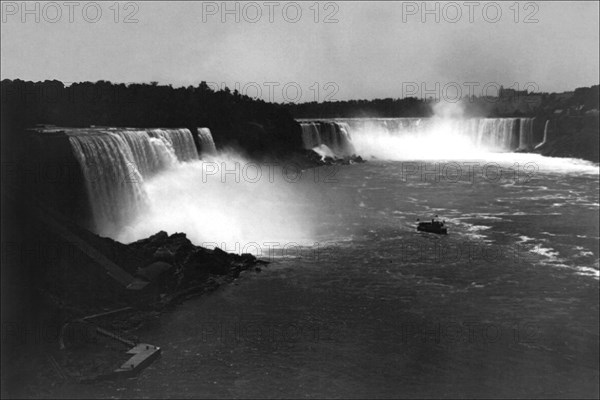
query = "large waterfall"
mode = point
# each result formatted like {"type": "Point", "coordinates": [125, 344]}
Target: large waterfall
{"type": "Point", "coordinates": [405, 138]}
{"type": "Point", "coordinates": [142, 181]}
{"type": "Point", "coordinates": [115, 163]}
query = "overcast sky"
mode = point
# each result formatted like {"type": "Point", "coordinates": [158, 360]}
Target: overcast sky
{"type": "Point", "coordinates": [375, 49]}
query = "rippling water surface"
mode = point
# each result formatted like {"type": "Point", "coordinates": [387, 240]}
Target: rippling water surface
{"type": "Point", "coordinates": [505, 305]}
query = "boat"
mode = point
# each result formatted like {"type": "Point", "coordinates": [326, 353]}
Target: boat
{"type": "Point", "coordinates": [434, 226]}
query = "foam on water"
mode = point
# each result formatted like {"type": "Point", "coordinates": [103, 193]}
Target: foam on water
{"type": "Point", "coordinates": [219, 210]}
{"type": "Point", "coordinates": [552, 257]}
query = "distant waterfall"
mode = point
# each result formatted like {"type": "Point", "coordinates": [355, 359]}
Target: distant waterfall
{"type": "Point", "coordinates": [526, 134]}
{"type": "Point", "coordinates": [332, 137]}
{"type": "Point", "coordinates": [115, 162]}
{"type": "Point", "coordinates": [311, 137]}
{"type": "Point", "coordinates": [495, 133]}
{"type": "Point", "coordinates": [403, 138]}
{"type": "Point", "coordinates": [207, 143]}
{"type": "Point", "coordinates": [545, 135]}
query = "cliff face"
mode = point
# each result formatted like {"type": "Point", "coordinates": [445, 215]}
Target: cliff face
{"type": "Point", "coordinates": [277, 135]}
{"type": "Point", "coordinates": [576, 137]}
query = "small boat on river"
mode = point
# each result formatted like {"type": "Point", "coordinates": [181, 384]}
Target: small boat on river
{"type": "Point", "coordinates": [434, 226]}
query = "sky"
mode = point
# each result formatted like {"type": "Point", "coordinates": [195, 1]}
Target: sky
{"type": "Point", "coordinates": [306, 51]}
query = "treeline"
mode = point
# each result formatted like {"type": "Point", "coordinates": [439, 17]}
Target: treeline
{"type": "Point", "coordinates": [588, 98]}
{"type": "Point", "coordinates": [255, 126]}
{"type": "Point", "coordinates": [378, 108]}
{"type": "Point", "coordinates": [580, 101]}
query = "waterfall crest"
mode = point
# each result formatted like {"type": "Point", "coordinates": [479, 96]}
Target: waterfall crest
{"type": "Point", "coordinates": [392, 138]}
{"type": "Point", "coordinates": [115, 163]}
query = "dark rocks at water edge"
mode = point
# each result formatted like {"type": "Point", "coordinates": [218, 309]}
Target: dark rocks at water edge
{"type": "Point", "coordinates": [178, 269]}
{"type": "Point", "coordinates": [53, 283]}
{"type": "Point", "coordinates": [168, 268]}
{"type": "Point", "coordinates": [353, 159]}
{"type": "Point", "coordinates": [315, 159]}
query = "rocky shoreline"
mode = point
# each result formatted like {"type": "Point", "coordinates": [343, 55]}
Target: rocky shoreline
{"type": "Point", "coordinates": [82, 334]}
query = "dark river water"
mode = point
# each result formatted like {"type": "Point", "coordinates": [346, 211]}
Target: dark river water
{"type": "Point", "coordinates": [505, 305]}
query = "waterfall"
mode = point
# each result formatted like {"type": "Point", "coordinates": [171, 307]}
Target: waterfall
{"type": "Point", "coordinates": [493, 133]}
{"type": "Point", "coordinates": [345, 140]}
{"type": "Point", "coordinates": [545, 135]}
{"type": "Point", "coordinates": [180, 140]}
{"type": "Point", "coordinates": [207, 143]}
{"type": "Point", "coordinates": [165, 153]}
{"type": "Point", "coordinates": [144, 152]}
{"type": "Point", "coordinates": [406, 138]}
{"type": "Point", "coordinates": [115, 162]}
{"type": "Point", "coordinates": [310, 135]}
{"type": "Point", "coordinates": [526, 134]}
{"type": "Point", "coordinates": [330, 136]}
{"type": "Point", "coordinates": [112, 179]}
